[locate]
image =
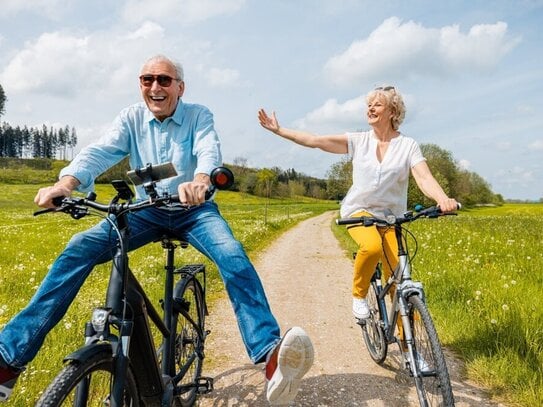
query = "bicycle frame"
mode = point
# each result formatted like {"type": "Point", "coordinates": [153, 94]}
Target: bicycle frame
{"type": "Point", "coordinates": [128, 309]}
{"type": "Point", "coordinates": [131, 314]}
{"type": "Point", "coordinates": [419, 339]}
{"type": "Point", "coordinates": [405, 287]}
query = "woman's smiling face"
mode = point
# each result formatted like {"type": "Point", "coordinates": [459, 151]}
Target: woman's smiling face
{"type": "Point", "coordinates": [378, 112]}
{"type": "Point", "coordinates": [161, 100]}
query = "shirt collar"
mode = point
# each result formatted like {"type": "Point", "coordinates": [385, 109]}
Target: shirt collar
{"type": "Point", "coordinates": [177, 116]}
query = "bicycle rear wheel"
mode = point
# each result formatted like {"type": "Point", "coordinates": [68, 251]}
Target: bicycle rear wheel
{"type": "Point", "coordinates": [188, 342]}
{"type": "Point", "coordinates": [372, 329]}
{"type": "Point", "coordinates": [433, 385]}
{"type": "Point", "coordinates": [87, 383]}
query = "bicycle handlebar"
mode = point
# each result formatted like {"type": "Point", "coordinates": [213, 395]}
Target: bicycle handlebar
{"type": "Point", "coordinates": [221, 178]}
{"type": "Point", "coordinates": [391, 220]}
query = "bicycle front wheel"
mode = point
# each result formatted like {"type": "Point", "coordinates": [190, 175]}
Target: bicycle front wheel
{"type": "Point", "coordinates": [433, 384]}
{"type": "Point", "coordinates": [372, 329]}
{"type": "Point", "coordinates": [189, 342]}
{"type": "Point", "coordinates": [88, 383]}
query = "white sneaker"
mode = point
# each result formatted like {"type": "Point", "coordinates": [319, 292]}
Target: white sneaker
{"type": "Point", "coordinates": [423, 366]}
{"type": "Point", "coordinates": [286, 366]}
{"type": "Point", "coordinates": [360, 308]}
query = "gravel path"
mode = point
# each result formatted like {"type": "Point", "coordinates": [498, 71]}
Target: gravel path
{"type": "Point", "coordinates": [307, 279]}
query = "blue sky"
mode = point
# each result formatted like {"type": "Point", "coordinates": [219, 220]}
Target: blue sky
{"type": "Point", "coordinates": [470, 72]}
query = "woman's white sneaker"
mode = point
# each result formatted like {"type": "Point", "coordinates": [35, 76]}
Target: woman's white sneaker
{"type": "Point", "coordinates": [360, 308]}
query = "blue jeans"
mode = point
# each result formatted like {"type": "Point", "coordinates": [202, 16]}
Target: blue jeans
{"type": "Point", "coordinates": [202, 226]}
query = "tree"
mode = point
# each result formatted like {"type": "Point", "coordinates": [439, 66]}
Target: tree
{"type": "Point", "coordinates": [3, 100]}
{"type": "Point", "coordinates": [266, 178]}
{"type": "Point", "coordinates": [339, 179]}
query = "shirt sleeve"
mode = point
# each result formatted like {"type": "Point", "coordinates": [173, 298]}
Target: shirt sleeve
{"type": "Point", "coordinates": [206, 146]}
{"type": "Point", "coordinates": [416, 154]}
{"type": "Point", "coordinates": [98, 157]}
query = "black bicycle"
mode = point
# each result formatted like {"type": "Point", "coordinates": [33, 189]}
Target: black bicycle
{"type": "Point", "coordinates": [420, 348]}
{"type": "Point", "coordinates": [119, 364]}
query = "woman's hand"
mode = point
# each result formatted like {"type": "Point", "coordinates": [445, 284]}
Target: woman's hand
{"type": "Point", "coordinates": [269, 123]}
{"type": "Point", "coordinates": [448, 205]}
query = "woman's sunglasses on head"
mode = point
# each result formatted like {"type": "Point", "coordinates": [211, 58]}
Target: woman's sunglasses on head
{"type": "Point", "coordinates": [385, 88]}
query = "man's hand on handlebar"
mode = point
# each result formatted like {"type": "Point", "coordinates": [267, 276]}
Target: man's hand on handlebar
{"type": "Point", "coordinates": [64, 187]}
{"type": "Point", "coordinates": [44, 197]}
{"type": "Point", "coordinates": [194, 192]}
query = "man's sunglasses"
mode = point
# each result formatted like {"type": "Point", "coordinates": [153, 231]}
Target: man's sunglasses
{"type": "Point", "coordinates": [163, 80]}
{"type": "Point", "coordinates": [385, 88]}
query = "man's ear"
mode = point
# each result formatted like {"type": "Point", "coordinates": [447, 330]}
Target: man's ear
{"type": "Point", "coordinates": [181, 88]}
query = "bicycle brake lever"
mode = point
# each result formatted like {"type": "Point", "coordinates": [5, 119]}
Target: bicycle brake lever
{"type": "Point", "coordinates": [47, 210]}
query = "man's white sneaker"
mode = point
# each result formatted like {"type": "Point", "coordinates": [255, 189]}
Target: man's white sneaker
{"type": "Point", "coordinates": [360, 308]}
{"type": "Point", "coordinates": [287, 364]}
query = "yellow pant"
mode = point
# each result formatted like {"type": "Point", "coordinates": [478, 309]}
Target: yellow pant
{"type": "Point", "coordinates": [374, 244]}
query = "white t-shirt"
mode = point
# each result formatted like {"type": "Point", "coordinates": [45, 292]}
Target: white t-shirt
{"type": "Point", "coordinates": [379, 185]}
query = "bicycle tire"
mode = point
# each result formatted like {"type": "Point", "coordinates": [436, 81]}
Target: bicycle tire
{"type": "Point", "coordinates": [372, 329]}
{"type": "Point", "coordinates": [188, 342]}
{"type": "Point", "coordinates": [98, 368]}
{"type": "Point", "coordinates": [433, 385]}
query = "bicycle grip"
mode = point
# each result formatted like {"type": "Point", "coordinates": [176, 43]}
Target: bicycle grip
{"type": "Point", "coordinates": [57, 200]}
{"type": "Point", "coordinates": [349, 221]}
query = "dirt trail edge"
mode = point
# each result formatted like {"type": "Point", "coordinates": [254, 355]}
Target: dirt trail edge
{"type": "Point", "coordinates": [307, 279]}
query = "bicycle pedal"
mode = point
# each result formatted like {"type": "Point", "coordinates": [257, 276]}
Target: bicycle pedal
{"type": "Point", "coordinates": [204, 385]}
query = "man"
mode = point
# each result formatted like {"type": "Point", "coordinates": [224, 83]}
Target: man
{"type": "Point", "coordinates": [162, 129]}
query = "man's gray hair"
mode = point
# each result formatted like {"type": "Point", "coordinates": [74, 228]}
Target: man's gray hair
{"type": "Point", "coordinates": [162, 58]}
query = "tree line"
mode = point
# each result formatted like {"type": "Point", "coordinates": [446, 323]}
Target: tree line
{"type": "Point", "coordinates": [33, 142]}
{"type": "Point", "coordinates": [467, 187]}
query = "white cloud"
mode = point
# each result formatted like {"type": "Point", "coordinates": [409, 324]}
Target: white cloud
{"type": "Point", "coordinates": [53, 9]}
{"type": "Point", "coordinates": [335, 117]}
{"type": "Point", "coordinates": [65, 64]}
{"type": "Point", "coordinates": [516, 175]}
{"type": "Point", "coordinates": [464, 164]}
{"type": "Point", "coordinates": [537, 145]}
{"type": "Point", "coordinates": [503, 145]}
{"type": "Point", "coordinates": [183, 11]}
{"type": "Point", "coordinates": [481, 48]}
{"type": "Point", "coordinates": [223, 77]}
{"type": "Point", "coordinates": [410, 49]}
{"type": "Point", "coordinates": [147, 30]}
{"type": "Point", "coordinates": [54, 62]}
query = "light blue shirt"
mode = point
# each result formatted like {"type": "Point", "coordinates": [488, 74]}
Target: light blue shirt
{"type": "Point", "coordinates": [187, 139]}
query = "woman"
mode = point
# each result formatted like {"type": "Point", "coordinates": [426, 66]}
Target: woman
{"type": "Point", "coordinates": [382, 159]}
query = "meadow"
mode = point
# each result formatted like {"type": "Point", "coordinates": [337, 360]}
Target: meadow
{"type": "Point", "coordinates": [482, 272]}
{"type": "Point", "coordinates": [29, 245]}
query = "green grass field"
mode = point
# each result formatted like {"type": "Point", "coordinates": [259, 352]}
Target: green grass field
{"type": "Point", "coordinates": [482, 272]}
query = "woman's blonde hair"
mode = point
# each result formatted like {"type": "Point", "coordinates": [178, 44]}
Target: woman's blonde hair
{"type": "Point", "coordinates": [393, 100]}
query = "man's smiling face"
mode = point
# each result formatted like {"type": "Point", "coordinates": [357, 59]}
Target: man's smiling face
{"type": "Point", "coordinates": [161, 100]}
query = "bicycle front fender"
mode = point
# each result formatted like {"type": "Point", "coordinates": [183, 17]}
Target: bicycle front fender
{"type": "Point", "coordinates": [409, 288]}
{"type": "Point", "coordinates": [89, 350]}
